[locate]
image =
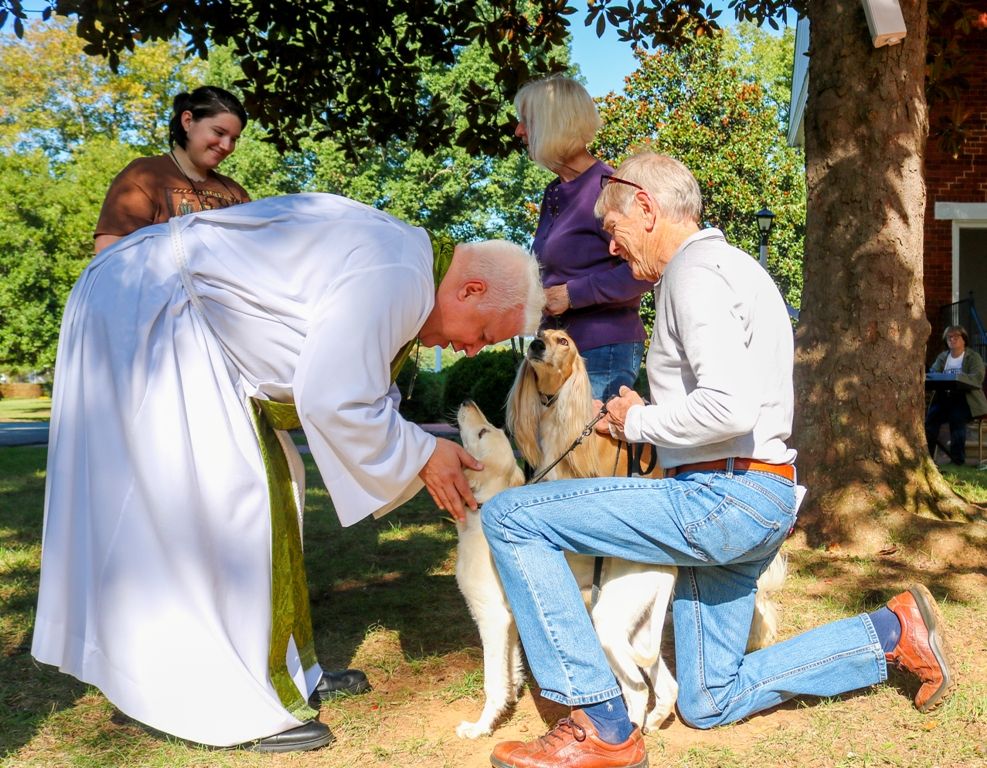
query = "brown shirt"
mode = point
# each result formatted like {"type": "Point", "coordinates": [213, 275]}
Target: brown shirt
{"type": "Point", "coordinates": [152, 190]}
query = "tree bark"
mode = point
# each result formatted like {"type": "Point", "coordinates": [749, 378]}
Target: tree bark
{"type": "Point", "coordinates": [862, 333]}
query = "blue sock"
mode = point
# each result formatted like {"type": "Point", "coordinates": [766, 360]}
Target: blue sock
{"type": "Point", "coordinates": [610, 718]}
{"type": "Point", "coordinates": [888, 628]}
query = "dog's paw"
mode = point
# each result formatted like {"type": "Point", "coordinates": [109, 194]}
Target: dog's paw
{"type": "Point", "coordinates": [468, 730]}
{"type": "Point", "coordinates": [656, 717]}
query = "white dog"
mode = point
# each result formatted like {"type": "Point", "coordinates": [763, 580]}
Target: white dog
{"type": "Point", "coordinates": [628, 615]}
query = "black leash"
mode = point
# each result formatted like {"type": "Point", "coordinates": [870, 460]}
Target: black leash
{"type": "Point", "coordinates": [587, 431]}
{"type": "Point", "coordinates": [635, 453]}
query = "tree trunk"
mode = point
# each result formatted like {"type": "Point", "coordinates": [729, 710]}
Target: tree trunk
{"type": "Point", "coordinates": [862, 333]}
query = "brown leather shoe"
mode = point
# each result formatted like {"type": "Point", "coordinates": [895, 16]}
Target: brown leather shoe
{"type": "Point", "coordinates": [922, 650]}
{"type": "Point", "coordinates": [572, 743]}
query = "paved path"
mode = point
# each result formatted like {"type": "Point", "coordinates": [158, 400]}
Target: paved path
{"type": "Point", "coordinates": [36, 432]}
{"type": "Point", "coordinates": [442, 430]}
{"type": "Point", "coordinates": [23, 433]}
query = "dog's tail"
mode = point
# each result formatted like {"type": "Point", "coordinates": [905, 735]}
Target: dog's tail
{"type": "Point", "coordinates": [774, 576]}
{"type": "Point", "coordinates": [764, 624]}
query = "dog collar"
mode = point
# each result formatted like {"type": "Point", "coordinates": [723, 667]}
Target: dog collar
{"type": "Point", "coordinates": [548, 401]}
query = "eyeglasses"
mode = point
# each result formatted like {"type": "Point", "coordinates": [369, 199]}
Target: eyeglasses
{"type": "Point", "coordinates": [606, 179]}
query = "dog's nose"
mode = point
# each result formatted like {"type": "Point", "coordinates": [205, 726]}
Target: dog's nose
{"type": "Point", "coordinates": [537, 345]}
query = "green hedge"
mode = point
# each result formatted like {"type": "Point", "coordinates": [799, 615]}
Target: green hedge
{"type": "Point", "coordinates": [486, 379]}
{"type": "Point", "coordinates": [423, 405]}
{"type": "Point", "coordinates": [435, 397]}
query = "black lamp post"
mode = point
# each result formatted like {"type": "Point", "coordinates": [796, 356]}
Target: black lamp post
{"type": "Point", "coordinates": [765, 219]}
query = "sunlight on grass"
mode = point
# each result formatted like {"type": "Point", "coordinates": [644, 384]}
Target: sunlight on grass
{"type": "Point", "coordinates": [468, 686]}
{"type": "Point", "coordinates": [385, 600]}
{"type": "Point", "coordinates": [380, 650]}
{"type": "Point", "coordinates": [707, 758]}
{"type": "Point", "coordinates": [25, 409]}
{"type": "Point", "coordinates": [399, 531]}
{"type": "Point", "coordinates": [969, 482]}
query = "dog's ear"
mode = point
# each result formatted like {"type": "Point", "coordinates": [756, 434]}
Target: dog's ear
{"type": "Point", "coordinates": [574, 410]}
{"type": "Point", "coordinates": [524, 413]}
{"type": "Point", "coordinates": [580, 390]}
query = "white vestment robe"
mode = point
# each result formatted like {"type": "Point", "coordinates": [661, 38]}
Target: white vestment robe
{"type": "Point", "coordinates": [156, 558]}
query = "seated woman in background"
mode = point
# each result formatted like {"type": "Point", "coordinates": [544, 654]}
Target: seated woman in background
{"type": "Point", "coordinates": [956, 405]}
{"type": "Point", "coordinates": [589, 292]}
{"type": "Point", "coordinates": [203, 131]}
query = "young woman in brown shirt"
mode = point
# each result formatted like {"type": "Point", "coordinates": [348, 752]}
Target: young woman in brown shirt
{"type": "Point", "coordinates": [204, 129]}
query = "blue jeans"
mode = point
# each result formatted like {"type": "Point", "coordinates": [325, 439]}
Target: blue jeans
{"type": "Point", "coordinates": [948, 406]}
{"type": "Point", "coordinates": [612, 366]}
{"type": "Point", "coordinates": [721, 529]}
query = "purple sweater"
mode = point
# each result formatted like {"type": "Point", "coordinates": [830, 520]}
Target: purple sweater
{"type": "Point", "coordinates": [572, 248]}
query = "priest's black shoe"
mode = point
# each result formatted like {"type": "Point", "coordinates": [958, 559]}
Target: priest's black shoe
{"type": "Point", "coordinates": [311, 735]}
{"type": "Point", "coordinates": [347, 682]}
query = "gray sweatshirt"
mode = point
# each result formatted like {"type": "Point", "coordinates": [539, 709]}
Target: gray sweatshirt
{"type": "Point", "coordinates": [720, 362]}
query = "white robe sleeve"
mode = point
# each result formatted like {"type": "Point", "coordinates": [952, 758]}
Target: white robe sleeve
{"type": "Point", "coordinates": [368, 455]}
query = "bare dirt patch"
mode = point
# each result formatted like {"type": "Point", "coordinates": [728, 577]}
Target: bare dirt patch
{"type": "Point", "coordinates": [384, 599]}
{"type": "Point", "coordinates": [410, 718]}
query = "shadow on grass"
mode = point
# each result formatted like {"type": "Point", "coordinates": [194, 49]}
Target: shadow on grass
{"type": "Point", "coordinates": [866, 583]}
{"type": "Point", "coordinates": [29, 692]}
{"type": "Point", "coordinates": [28, 409]}
{"type": "Point", "coordinates": [394, 573]}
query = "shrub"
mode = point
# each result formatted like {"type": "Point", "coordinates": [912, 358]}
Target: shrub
{"type": "Point", "coordinates": [486, 379]}
{"type": "Point", "coordinates": [424, 406]}
{"type": "Point", "coordinates": [641, 386]}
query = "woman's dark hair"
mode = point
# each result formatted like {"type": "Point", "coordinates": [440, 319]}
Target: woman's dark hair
{"type": "Point", "coordinates": [957, 329]}
{"type": "Point", "coordinates": [205, 101]}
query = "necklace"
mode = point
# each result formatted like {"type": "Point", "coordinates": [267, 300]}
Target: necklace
{"type": "Point", "coordinates": [185, 206]}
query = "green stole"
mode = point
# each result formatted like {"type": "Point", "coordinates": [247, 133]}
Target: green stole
{"type": "Point", "coordinates": [290, 615]}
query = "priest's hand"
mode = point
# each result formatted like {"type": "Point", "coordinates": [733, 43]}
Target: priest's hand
{"type": "Point", "coordinates": [444, 478]}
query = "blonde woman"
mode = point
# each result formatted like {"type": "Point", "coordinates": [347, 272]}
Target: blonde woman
{"type": "Point", "coordinates": [588, 291]}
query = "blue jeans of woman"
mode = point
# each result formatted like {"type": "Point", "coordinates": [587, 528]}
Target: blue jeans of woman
{"type": "Point", "coordinates": [721, 529]}
{"type": "Point", "coordinates": [613, 366]}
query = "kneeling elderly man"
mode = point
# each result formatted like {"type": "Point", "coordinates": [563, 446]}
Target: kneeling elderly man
{"type": "Point", "coordinates": [171, 573]}
{"type": "Point", "coordinates": [720, 370]}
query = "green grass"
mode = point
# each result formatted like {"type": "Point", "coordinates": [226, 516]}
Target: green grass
{"type": "Point", "coordinates": [969, 482]}
{"type": "Point", "coordinates": [384, 599]}
{"type": "Point", "coordinates": [25, 409]}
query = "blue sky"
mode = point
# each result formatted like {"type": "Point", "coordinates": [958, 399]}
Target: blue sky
{"type": "Point", "coordinates": [606, 61]}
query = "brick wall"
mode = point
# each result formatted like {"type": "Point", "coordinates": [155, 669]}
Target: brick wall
{"type": "Point", "coordinates": [962, 179]}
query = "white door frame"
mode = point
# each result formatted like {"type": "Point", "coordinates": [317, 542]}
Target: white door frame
{"type": "Point", "coordinates": [963, 216]}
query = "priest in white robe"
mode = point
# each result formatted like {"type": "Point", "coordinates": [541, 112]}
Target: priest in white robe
{"type": "Point", "coordinates": [171, 575]}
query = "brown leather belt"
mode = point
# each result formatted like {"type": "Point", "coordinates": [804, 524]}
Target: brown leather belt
{"type": "Point", "coordinates": [739, 465]}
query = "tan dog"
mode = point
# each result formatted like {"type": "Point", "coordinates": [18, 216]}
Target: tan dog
{"type": "Point", "coordinates": [548, 407]}
{"type": "Point", "coordinates": [628, 615]}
